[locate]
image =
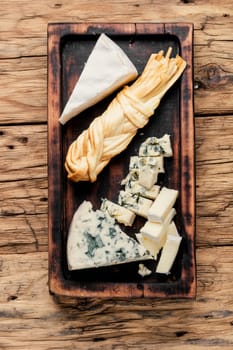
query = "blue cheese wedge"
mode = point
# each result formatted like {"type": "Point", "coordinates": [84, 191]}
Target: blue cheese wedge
{"type": "Point", "coordinates": [168, 253]}
{"type": "Point", "coordinates": [95, 240]}
{"type": "Point", "coordinates": [121, 214]}
{"type": "Point", "coordinates": [138, 204]}
{"type": "Point", "coordinates": [107, 68]}
{"type": "Point", "coordinates": [162, 205]}
{"type": "Point", "coordinates": [154, 147]}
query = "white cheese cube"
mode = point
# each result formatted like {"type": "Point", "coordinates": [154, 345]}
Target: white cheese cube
{"type": "Point", "coordinates": [135, 162]}
{"type": "Point", "coordinates": [143, 270]}
{"type": "Point", "coordinates": [168, 254]}
{"type": "Point", "coordinates": [147, 178]}
{"type": "Point", "coordinates": [150, 244]}
{"type": "Point", "coordinates": [121, 214]}
{"type": "Point", "coordinates": [162, 205]}
{"type": "Point", "coordinates": [139, 205]}
{"type": "Point", "coordinates": [157, 231]}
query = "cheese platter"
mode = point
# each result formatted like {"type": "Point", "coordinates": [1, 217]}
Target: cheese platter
{"type": "Point", "coordinates": [76, 202]}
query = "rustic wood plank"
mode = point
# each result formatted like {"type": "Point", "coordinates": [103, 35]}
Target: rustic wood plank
{"type": "Point", "coordinates": [214, 168]}
{"type": "Point", "coordinates": [24, 152]}
{"type": "Point", "coordinates": [23, 203]}
{"type": "Point", "coordinates": [108, 324]}
{"type": "Point", "coordinates": [24, 97]}
{"type": "Point", "coordinates": [23, 216]}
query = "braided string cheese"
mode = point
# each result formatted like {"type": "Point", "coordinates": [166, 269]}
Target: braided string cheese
{"type": "Point", "coordinates": [110, 133]}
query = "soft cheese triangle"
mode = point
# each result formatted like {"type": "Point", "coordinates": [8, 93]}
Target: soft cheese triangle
{"type": "Point", "coordinates": [95, 240]}
{"type": "Point", "coordinates": [106, 69]}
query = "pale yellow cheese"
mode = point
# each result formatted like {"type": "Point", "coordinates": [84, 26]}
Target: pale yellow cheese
{"type": "Point", "coordinates": [168, 254]}
{"type": "Point", "coordinates": [157, 231]}
{"type": "Point", "coordinates": [162, 205]}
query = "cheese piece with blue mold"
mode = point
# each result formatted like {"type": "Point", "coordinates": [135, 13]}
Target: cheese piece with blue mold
{"type": "Point", "coordinates": [95, 240]}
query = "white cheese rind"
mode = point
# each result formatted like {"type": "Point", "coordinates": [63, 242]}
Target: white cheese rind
{"type": "Point", "coordinates": [95, 240]}
{"type": "Point", "coordinates": [121, 214]}
{"type": "Point", "coordinates": [162, 204]}
{"type": "Point", "coordinates": [168, 254]}
{"type": "Point", "coordinates": [107, 68]}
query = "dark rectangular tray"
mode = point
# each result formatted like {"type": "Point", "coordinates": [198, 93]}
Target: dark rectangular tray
{"type": "Point", "coordinates": [69, 46]}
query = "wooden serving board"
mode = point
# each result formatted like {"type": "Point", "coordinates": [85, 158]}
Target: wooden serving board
{"type": "Point", "coordinates": [69, 46]}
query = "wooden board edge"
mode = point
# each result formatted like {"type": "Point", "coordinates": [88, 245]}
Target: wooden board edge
{"type": "Point", "coordinates": [188, 198]}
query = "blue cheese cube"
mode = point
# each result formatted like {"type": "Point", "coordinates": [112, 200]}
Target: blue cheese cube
{"type": "Point", "coordinates": [157, 231]}
{"type": "Point", "coordinates": [139, 205]}
{"type": "Point", "coordinates": [121, 214]}
{"type": "Point", "coordinates": [131, 183]}
{"type": "Point", "coordinates": [148, 171]}
{"type": "Point", "coordinates": [150, 244]}
{"type": "Point", "coordinates": [154, 147]}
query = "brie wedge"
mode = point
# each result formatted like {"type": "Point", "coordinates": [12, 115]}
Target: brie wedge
{"type": "Point", "coordinates": [107, 68]}
{"type": "Point", "coordinates": [95, 240]}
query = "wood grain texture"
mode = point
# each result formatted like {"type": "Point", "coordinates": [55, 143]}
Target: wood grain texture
{"type": "Point", "coordinates": [29, 317]}
{"type": "Point", "coordinates": [109, 324]}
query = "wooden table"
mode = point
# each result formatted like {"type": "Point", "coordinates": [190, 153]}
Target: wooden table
{"type": "Point", "coordinates": [30, 317]}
